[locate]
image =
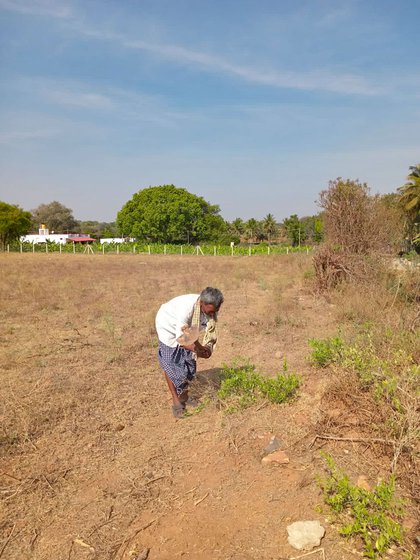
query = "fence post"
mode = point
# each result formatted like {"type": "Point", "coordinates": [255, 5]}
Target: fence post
{"type": "Point", "coordinates": [287, 250]}
{"type": "Point", "coordinates": [215, 251]}
{"type": "Point", "coordinates": [118, 248]}
{"type": "Point", "coordinates": [103, 248]}
{"type": "Point", "coordinates": [148, 249]}
{"type": "Point", "coordinates": [8, 248]}
{"type": "Point", "coordinates": [46, 248]}
{"type": "Point", "coordinates": [231, 250]}
{"type": "Point", "coordinates": [134, 249]}
{"type": "Point", "coordinates": [307, 250]}
{"type": "Point", "coordinates": [249, 251]}
{"type": "Point", "coordinates": [181, 249]}
{"type": "Point", "coordinates": [268, 249]}
{"type": "Point", "coordinates": [60, 248]}
{"type": "Point", "coordinates": [74, 247]}
{"type": "Point", "coordinates": [164, 249]}
{"type": "Point", "coordinates": [33, 247]}
{"type": "Point", "coordinates": [21, 249]}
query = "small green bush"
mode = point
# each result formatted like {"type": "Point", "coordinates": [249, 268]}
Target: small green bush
{"type": "Point", "coordinates": [241, 385]}
{"type": "Point", "coordinates": [372, 515]}
{"type": "Point", "coordinates": [326, 352]}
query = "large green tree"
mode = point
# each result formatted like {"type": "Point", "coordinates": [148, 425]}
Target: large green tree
{"type": "Point", "coordinates": [57, 217]}
{"type": "Point", "coordinates": [14, 222]}
{"type": "Point", "coordinates": [313, 227]}
{"type": "Point", "coordinates": [98, 229]}
{"type": "Point", "coordinates": [168, 214]}
{"type": "Point", "coordinates": [295, 230]}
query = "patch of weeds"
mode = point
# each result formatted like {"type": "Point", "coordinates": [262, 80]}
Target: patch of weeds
{"type": "Point", "coordinates": [388, 373]}
{"type": "Point", "coordinates": [279, 321]}
{"type": "Point", "coordinates": [241, 386]}
{"type": "Point", "coordinates": [326, 351]}
{"type": "Point", "coordinates": [309, 274]}
{"type": "Point", "coordinates": [373, 516]}
{"type": "Point", "coordinates": [288, 320]}
{"type": "Point", "coordinates": [153, 341]}
{"type": "Point", "coordinates": [197, 409]}
{"type": "Point", "coordinates": [262, 284]}
{"type": "Point", "coordinates": [114, 339]}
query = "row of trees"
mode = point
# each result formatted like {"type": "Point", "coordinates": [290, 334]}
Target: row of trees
{"type": "Point", "coordinates": [167, 214]}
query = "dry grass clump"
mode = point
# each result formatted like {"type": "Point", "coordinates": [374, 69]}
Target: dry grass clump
{"type": "Point", "coordinates": [333, 268]}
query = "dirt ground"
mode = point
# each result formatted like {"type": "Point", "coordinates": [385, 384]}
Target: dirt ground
{"type": "Point", "coordinates": [92, 463]}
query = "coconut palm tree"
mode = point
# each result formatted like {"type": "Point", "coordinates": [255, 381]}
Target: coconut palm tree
{"type": "Point", "coordinates": [270, 227]}
{"type": "Point", "coordinates": [237, 227]}
{"type": "Point", "coordinates": [410, 192]}
{"type": "Point", "coordinates": [410, 203]}
{"type": "Point", "coordinates": [251, 227]}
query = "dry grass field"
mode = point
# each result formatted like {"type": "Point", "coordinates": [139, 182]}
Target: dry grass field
{"type": "Point", "coordinates": [92, 463]}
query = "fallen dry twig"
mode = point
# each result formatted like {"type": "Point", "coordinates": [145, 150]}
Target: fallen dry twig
{"type": "Point", "coordinates": [201, 499]}
{"type": "Point", "coordinates": [126, 542]}
{"type": "Point", "coordinates": [6, 542]}
{"type": "Point", "coordinates": [321, 550]}
{"type": "Point", "coordinates": [354, 440]}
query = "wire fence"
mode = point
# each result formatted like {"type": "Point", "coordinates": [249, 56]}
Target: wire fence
{"type": "Point", "coordinates": [155, 249]}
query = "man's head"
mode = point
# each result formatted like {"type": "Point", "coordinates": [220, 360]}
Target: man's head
{"type": "Point", "coordinates": [210, 300]}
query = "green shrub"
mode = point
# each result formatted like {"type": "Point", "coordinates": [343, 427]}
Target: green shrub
{"type": "Point", "coordinates": [326, 352]}
{"type": "Point", "coordinates": [241, 386]}
{"type": "Point", "coordinates": [374, 515]}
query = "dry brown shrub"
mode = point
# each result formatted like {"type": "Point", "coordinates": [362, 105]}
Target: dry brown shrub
{"type": "Point", "coordinates": [356, 222]}
{"type": "Point", "coordinates": [330, 268]}
{"type": "Point", "coordinates": [359, 230]}
{"type": "Point", "coordinates": [349, 410]}
{"type": "Point", "coordinates": [333, 267]}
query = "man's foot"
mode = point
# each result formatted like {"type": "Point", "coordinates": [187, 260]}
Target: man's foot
{"type": "Point", "coordinates": [178, 410]}
{"type": "Point", "coordinates": [193, 403]}
{"type": "Point", "coordinates": [183, 398]}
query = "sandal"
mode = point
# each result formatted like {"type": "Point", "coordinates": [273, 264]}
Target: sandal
{"type": "Point", "coordinates": [178, 410]}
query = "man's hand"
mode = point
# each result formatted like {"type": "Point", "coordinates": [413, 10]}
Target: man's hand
{"type": "Point", "coordinates": [202, 351]}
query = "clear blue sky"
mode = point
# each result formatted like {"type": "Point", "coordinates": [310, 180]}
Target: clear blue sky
{"type": "Point", "coordinates": [253, 104]}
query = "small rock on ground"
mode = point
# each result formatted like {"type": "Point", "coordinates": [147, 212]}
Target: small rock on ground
{"type": "Point", "coordinates": [276, 458]}
{"type": "Point", "coordinates": [273, 445]}
{"type": "Point", "coordinates": [305, 535]}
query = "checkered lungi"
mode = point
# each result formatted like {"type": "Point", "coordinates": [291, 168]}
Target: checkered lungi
{"type": "Point", "coordinates": [179, 365]}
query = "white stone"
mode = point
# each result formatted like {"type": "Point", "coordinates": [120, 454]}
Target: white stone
{"type": "Point", "coordinates": [305, 535]}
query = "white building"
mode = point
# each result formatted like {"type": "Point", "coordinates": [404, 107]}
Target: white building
{"type": "Point", "coordinates": [44, 235]}
{"type": "Point", "coordinates": [115, 240]}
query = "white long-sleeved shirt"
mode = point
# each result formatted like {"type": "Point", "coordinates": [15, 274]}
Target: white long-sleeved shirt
{"type": "Point", "coordinates": [175, 314]}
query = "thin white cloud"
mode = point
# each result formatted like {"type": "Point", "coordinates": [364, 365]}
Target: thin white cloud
{"type": "Point", "coordinates": [322, 80]}
{"type": "Point", "coordinates": [123, 104]}
{"type": "Point", "coordinates": [50, 8]}
{"type": "Point", "coordinates": [87, 100]}
{"type": "Point", "coordinates": [315, 80]}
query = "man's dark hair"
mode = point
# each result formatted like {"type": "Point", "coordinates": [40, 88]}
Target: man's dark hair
{"type": "Point", "coordinates": [212, 296]}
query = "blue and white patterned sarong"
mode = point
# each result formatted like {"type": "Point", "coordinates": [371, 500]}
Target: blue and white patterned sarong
{"type": "Point", "coordinates": [179, 365]}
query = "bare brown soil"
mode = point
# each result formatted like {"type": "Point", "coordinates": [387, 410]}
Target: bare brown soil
{"type": "Point", "coordinates": [93, 465]}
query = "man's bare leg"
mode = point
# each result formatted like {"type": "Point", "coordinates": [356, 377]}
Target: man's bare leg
{"type": "Point", "coordinates": [175, 398]}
